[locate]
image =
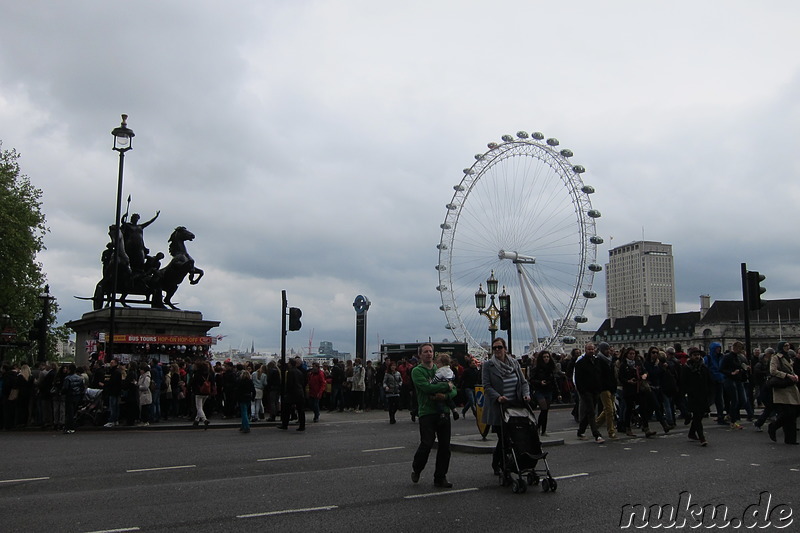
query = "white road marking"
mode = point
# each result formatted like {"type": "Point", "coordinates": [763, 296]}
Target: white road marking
{"type": "Point", "coordinates": [115, 530]}
{"type": "Point", "coordinates": [284, 458]}
{"type": "Point", "coordinates": [289, 511]}
{"type": "Point", "coordinates": [160, 468]}
{"type": "Point", "coordinates": [23, 479]}
{"type": "Point", "coordinates": [582, 474]}
{"type": "Point", "coordinates": [384, 449]}
{"type": "Point", "coordinates": [442, 493]}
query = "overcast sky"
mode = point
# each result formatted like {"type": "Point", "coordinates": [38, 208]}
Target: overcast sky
{"type": "Point", "coordinates": [312, 146]}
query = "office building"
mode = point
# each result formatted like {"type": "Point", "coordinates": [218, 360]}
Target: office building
{"type": "Point", "coordinates": [640, 280]}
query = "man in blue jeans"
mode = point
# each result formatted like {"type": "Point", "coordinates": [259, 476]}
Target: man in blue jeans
{"type": "Point", "coordinates": [713, 361]}
{"type": "Point", "coordinates": [434, 423]}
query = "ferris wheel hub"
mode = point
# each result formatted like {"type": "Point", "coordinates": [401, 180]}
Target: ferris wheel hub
{"type": "Point", "coordinates": [516, 257]}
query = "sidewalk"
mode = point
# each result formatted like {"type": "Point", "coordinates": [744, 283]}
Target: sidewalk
{"type": "Point", "coordinates": [465, 436]}
{"type": "Point", "coordinates": [562, 429]}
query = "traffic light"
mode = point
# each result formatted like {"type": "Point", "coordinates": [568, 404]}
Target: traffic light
{"type": "Point", "coordinates": [755, 290]}
{"type": "Point", "coordinates": [39, 330]}
{"type": "Point", "coordinates": [294, 319]}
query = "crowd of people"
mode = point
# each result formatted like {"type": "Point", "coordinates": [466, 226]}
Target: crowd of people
{"type": "Point", "coordinates": [618, 391]}
{"type": "Point", "coordinates": [142, 393]}
{"type": "Point", "coordinates": [627, 391]}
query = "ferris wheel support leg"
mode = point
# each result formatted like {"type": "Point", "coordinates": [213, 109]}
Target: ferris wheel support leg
{"type": "Point", "coordinates": [527, 306]}
{"type": "Point", "coordinates": [526, 280]}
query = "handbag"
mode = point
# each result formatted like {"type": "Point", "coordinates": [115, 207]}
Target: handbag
{"type": "Point", "coordinates": [205, 388]}
{"type": "Point", "coordinates": [780, 383]}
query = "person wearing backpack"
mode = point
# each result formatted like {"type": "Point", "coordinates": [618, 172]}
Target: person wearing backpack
{"type": "Point", "coordinates": [73, 389]}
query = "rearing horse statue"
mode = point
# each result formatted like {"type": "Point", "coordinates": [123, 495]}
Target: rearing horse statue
{"type": "Point", "coordinates": [181, 264]}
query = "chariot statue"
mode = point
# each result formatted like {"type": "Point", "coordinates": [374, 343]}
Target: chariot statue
{"type": "Point", "coordinates": [139, 273]}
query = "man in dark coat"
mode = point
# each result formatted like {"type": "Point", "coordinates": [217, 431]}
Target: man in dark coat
{"type": "Point", "coordinates": [698, 386]}
{"type": "Point", "coordinates": [587, 383]}
{"type": "Point", "coordinates": [294, 396]}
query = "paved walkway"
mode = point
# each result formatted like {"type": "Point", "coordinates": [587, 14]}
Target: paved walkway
{"type": "Point", "coordinates": [562, 429]}
{"type": "Point", "coordinates": [465, 435]}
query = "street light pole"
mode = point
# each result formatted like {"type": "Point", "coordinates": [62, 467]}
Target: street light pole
{"type": "Point", "coordinates": [44, 324]}
{"type": "Point", "coordinates": [491, 312]}
{"type": "Point", "coordinates": [123, 141]}
{"type": "Point", "coordinates": [505, 315]}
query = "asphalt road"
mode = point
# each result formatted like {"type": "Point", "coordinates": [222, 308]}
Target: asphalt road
{"type": "Point", "coordinates": [352, 472]}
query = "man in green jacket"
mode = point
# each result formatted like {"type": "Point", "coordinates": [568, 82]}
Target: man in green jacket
{"type": "Point", "coordinates": [434, 423]}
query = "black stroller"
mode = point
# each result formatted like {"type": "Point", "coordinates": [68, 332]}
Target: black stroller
{"type": "Point", "coordinates": [90, 409]}
{"type": "Point", "coordinates": [522, 451]}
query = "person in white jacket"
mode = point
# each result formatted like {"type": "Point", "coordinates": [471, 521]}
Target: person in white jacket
{"type": "Point", "coordinates": [145, 396]}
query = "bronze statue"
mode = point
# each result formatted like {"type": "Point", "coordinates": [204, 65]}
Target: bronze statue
{"type": "Point", "coordinates": [140, 273]}
{"type": "Point", "coordinates": [133, 234]}
{"type": "Point", "coordinates": [181, 264]}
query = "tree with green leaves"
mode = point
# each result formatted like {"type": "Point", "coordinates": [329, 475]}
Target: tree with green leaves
{"type": "Point", "coordinates": [22, 230]}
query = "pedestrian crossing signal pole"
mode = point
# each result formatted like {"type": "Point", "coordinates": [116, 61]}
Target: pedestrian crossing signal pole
{"type": "Point", "coordinates": [751, 298]}
{"type": "Point", "coordinates": [746, 305]}
{"type": "Point", "coordinates": [283, 343]}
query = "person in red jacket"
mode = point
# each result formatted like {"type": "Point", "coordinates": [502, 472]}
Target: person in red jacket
{"type": "Point", "coordinates": [316, 388]}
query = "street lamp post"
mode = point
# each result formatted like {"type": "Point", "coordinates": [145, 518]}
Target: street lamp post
{"type": "Point", "coordinates": [491, 312]}
{"type": "Point", "coordinates": [505, 315]}
{"type": "Point", "coordinates": [123, 141]}
{"type": "Point", "coordinates": [44, 323]}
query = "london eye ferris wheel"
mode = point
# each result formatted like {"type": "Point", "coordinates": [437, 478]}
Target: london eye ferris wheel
{"type": "Point", "coordinates": [521, 215]}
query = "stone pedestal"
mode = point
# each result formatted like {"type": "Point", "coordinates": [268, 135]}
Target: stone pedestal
{"type": "Point", "coordinates": [144, 333]}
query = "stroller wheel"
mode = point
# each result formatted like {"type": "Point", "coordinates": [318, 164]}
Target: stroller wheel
{"type": "Point", "coordinates": [505, 479]}
{"type": "Point", "coordinates": [545, 485]}
{"type": "Point", "coordinates": [553, 485]}
{"type": "Point", "coordinates": [516, 486]}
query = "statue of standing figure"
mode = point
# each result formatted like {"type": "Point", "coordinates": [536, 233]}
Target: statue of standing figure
{"type": "Point", "coordinates": [133, 235]}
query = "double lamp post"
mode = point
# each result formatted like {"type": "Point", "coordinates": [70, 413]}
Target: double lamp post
{"type": "Point", "coordinates": [495, 314]}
